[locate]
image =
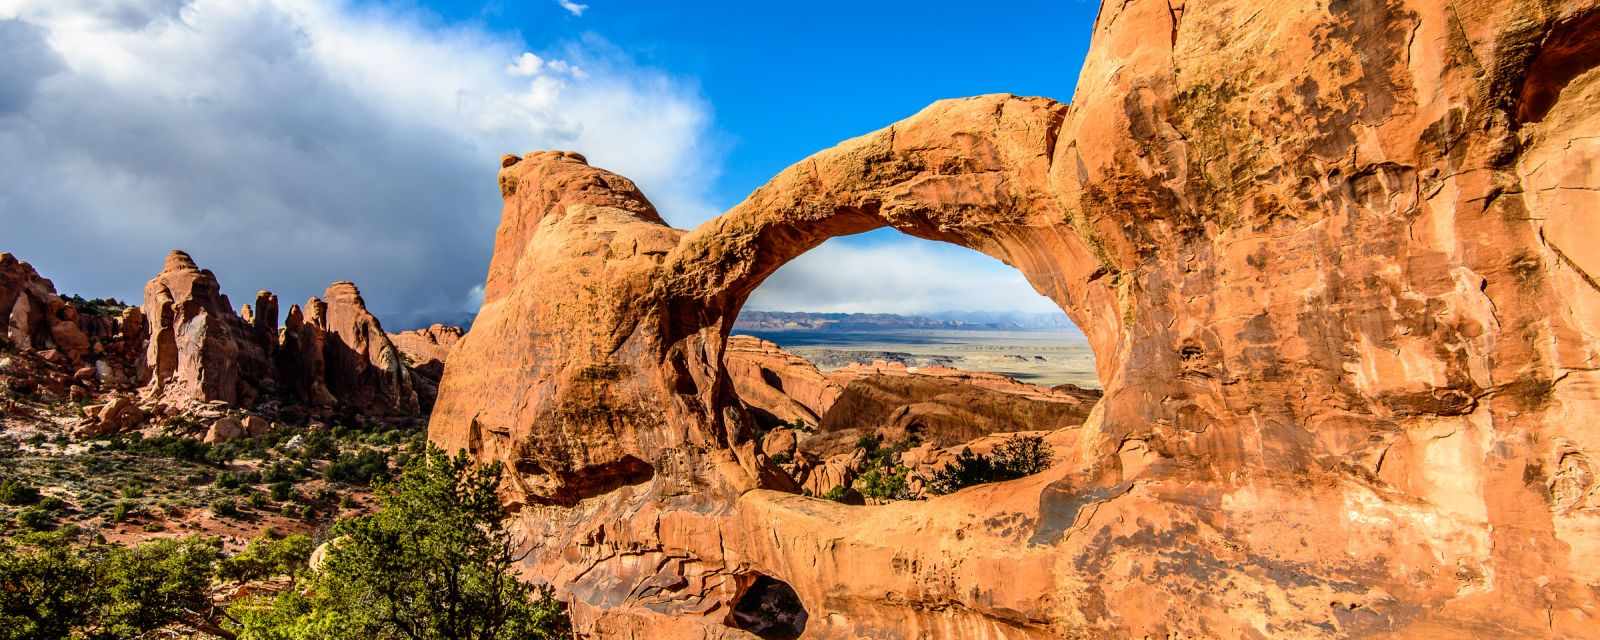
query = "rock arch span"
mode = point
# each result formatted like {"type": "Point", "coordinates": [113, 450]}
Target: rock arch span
{"type": "Point", "coordinates": [1341, 308]}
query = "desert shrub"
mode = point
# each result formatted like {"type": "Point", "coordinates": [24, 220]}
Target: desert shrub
{"type": "Point", "coordinates": [17, 492]}
{"type": "Point", "coordinates": [156, 584]}
{"type": "Point", "coordinates": [56, 589]}
{"type": "Point", "coordinates": [174, 447]}
{"type": "Point", "coordinates": [359, 468]}
{"type": "Point", "coordinates": [968, 469]}
{"type": "Point", "coordinates": [42, 592]}
{"type": "Point", "coordinates": [52, 503]}
{"type": "Point", "coordinates": [120, 512]}
{"type": "Point", "coordinates": [279, 472]}
{"type": "Point", "coordinates": [228, 480]}
{"type": "Point", "coordinates": [266, 557]}
{"type": "Point", "coordinates": [1015, 457]}
{"type": "Point", "coordinates": [282, 490]}
{"type": "Point", "coordinates": [1019, 456]}
{"type": "Point", "coordinates": [225, 507]}
{"type": "Point", "coordinates": [317, 445]}
{"type": "Point", "coordinates": [836, 494]}
{"type": "Point", "coordinates": [884, 478]}
{"type": "Point", "coordinates": [35, 519]}
{"type": "Point", "coordinates": [885, 483]}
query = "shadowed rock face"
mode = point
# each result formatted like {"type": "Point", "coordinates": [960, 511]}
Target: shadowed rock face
{"type": "Point", "coordinates": [1334, 260]}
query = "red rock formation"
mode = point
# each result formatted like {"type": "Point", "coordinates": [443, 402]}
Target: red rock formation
{"type": "Point", "coordinates": [426, 350]}
{"type": "Point", "coordinates": [782, 387]}
{"type": "Point", "coordinates": [199, 350]}
{"type": "Point", "coordinates": [334, 356]}
{"type": "Point", "coordinates": [940, 406]}
{"type": "Point", "coordinates": [34, 317]}
{"type": "Point", "coordinates": [945, 406]}
{"type": "Point", "coordinates": [1329, 257]}
{"type": "Point", "coordinates": [364, 368]}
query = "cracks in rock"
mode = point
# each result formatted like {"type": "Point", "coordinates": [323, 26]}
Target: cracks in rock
{"type": "Point", "coordinates": [1466, 42]}
{"type": "Point", "coordinates": [1562, 256]}
{"type": "Point", "coordinates": [1177, 16]}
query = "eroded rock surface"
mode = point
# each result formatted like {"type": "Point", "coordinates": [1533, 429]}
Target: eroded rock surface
{"type": "Point", "coordinates": [335, 356]}
{"type": "Point", "coordinates": [33, 317]}
{"type": "Point", "coordinates": [779, 387]}
{"type": "Point", "coordinates": [1331, 258]}
{"type": "Point", "coordinates": [427, 349]}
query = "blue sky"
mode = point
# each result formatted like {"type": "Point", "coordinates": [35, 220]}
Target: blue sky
{"type": "Point", "coordinates": [287, 144]}
{"type": "Point", "coordinates": [786, 79]}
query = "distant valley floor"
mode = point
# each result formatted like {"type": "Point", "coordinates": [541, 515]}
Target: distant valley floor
{"type": "Point", "coordinates": [1039, 357]}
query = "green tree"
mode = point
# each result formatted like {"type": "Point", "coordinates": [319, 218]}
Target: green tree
{"type": "Point", "coordinates": [265, 557]}
{"type": "Point", "coordinates": [435, 562]}
{"type": "Point", "coordinates": [42, 594]}
{"type": "Point", "coordinates": [159, 583]}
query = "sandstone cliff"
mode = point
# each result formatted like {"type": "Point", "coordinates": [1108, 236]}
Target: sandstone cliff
{"type": "Point", "coordinates": [1333, 262]}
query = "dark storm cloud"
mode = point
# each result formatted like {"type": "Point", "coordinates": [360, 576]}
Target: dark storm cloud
{"type": "Point", "coordinates": [28, 59]}
{"type": "Point", "coordinates": [289, 143]}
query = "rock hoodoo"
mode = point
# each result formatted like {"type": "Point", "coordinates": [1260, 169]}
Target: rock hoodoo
{"type": "Point", "coordinates": [199, 349]}
{"type": "Point", "coordinates": [186, 350]}
{"type": "Point", "coordinates": [1333, 262]}
{"type": "Point", "coordinates": [335, 356]}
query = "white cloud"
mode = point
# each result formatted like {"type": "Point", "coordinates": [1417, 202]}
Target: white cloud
{"type": "Point", "coordinates": [904, 276]}
{"type": "Point", "coordinates": [573, 7]}
{"type": "Point", "coordinates": [527, 65]}
{"type": "Point", "coordinates": [290, 143]}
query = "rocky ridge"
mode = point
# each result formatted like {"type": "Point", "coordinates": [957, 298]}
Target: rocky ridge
{"type": "Point", "coordinates": [185, 351]}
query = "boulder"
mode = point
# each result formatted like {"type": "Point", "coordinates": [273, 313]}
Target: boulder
{"type": "Point", "coordinates": [119, 414]}
{"type": "Point", "coordinates": [255, 425]}
{"type": "Point", "coordinates": [224, 429]}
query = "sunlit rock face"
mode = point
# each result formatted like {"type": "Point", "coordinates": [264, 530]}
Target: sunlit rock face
{"type": "Point", "coordinates": [1335, 263]}
{"type": "Point", "coordinates": [333, 353]}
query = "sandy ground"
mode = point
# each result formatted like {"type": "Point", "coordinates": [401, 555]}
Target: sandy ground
{"type": "Point", "coordinates": [1038, 357]}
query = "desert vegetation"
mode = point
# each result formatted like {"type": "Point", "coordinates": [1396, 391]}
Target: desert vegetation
{"type": "Point", "coordinates": [1015, 457]}
{"type": "Point", "coordinates": [434, 561]}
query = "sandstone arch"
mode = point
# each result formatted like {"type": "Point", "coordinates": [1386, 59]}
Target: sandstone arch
{"type": "Point", "coordinates": [1338, 284]}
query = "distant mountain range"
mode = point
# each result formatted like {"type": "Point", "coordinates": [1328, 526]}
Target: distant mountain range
{"type": "Point", "coordinates": [809, 321]}
{"type": "Point", "coordinates": [974, 320]}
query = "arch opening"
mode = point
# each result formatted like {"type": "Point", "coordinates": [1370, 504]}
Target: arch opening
{"type": "Point", "coordinates": [770, 609]}
{"type": "Point", "coordinates": [857, 352]}
{"type": "Point", "coordinates": [919, 303]}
